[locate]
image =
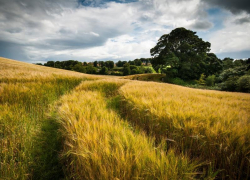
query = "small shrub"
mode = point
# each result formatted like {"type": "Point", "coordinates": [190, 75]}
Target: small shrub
{"type": "Point", "coordinates": [104, 70]}
{"type": "Point", "coordinates": [210, 80]}
{"type": "Point", "coordinates": [116, 73]}
{"type": "Point", "coordinates": [178, 81]}
{"type": "Point", "coordinates": [230, 84]}
{"type": "Point", "coordinates": [243, 83]}
{"type": "Point", "coordinates": [202, 81]}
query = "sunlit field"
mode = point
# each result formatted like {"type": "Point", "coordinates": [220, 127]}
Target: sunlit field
{"type": "Point", "coordinates": [210, 126]}
{"type": "Point", "coordinates": [58, 124]}
{"type": "Point", "coordinates": [26, 91]}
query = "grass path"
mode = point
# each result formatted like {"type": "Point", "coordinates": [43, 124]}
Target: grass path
{"type": "Point", "coordinates": [99, 144]}
{"type": "Point", "coordinates": [27, 137]}
{"type": "Point", "coordinates": [48, 145]}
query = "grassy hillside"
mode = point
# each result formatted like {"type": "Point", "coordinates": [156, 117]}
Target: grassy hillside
{"type": "Point", "coordinates": [58, 124]}
{"type": "Point", "coordinates": [147, 77]}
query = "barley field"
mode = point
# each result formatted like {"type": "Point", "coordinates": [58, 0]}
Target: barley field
{"type": "Point", "coordinates": [58, 124]}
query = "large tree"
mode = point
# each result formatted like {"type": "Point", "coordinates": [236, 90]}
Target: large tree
{"type": "Point", "coordinates": [181, 53]}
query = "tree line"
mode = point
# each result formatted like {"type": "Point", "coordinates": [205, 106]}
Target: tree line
{"type": "Point", "coordinates": [184, 58]}
{"type": "Point", "coordinates": [136, 66]}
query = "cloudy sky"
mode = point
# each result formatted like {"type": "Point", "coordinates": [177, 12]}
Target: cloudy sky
{"type": "Point", "coordinates": [87, 30]}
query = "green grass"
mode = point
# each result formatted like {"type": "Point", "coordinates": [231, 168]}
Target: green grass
{"type": "Point", "coordinates": [24, 107]}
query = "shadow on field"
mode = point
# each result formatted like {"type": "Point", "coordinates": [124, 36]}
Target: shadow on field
{"type": "Point", "coordinates": [47, 147]}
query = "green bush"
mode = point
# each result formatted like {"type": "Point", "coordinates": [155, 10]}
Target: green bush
{"type": "Point", "coordinates": [201, 81]}
{"type": "Point", "coordinates": [104, 70]}
{"type": "Point", "coordinates": [178, 81]}
{"type": "Point", "coordinates": [243, 83]}
{"type": "Point", "coordinates": [230, 84]}
{"type": "Point", "coordinates": [210, 80]}
{"type": "Point", "coordinates": [116, 73]}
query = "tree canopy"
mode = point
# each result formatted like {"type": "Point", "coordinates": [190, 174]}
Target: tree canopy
{"type": "Point", "coordinates": [181, 53]}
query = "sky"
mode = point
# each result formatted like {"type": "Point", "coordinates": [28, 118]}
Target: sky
{"type": "Point", "coordinates": [37, 31]}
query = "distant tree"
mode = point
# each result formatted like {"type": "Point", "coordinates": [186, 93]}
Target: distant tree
{"type": "Point", "coordinates": [183, 51]}
{"type": "Point", "coordinates": [91, 70]}
{"type": "Point", "coordinates": [126, 69]}
{"type": "Point", "coordinates": [232, 72]}
{"type": "Point", "coordinates": [109, 64]}
{"type": "Point", "coordinates": [201, 80]}
{"type": "Point", "coordinates": [58, 64]}
{"type": "Point", "coordinates": [138, 62]}
{"type": "Point", "coordinates": [131, 62]}
{"type": "Point", "coordinates": [148, 70]}
{"type": "Point", "coordinates": [104, 70]}
{"type": "Point", "coordinates": [210, 80]}
{"type": "Point", "coordinates": [50, 64]}
{"type": "Point", "coordinates": [39, 64]}
{"type": "Point", "coordinates": [213, 65]}
{"type": "Point", "coordinates": [227, 63]}
{"type": "Point", "coordinates": [79, 68]}
{"type": "Point", "coordinates": [243, 83]}
{"type": "Point", "coordinates": [248, 61]}
{"type": "Point", "coordinates": [95, 63]}
{"type": "Point", "coordinates": [119, 64]}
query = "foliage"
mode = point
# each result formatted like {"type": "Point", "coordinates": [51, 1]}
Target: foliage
{"type": "Point", "coordinates": [230, 84]}
{"type": "Point", "coordinates": [213, 65]}
{"type": "Point", "coordinates": [177, 81]}
{"type": "Point", "coordinates": [126, 69]}
{"type": "Point", "coordinates": [181, 50]}
{"type": "Point", "coordinates": [201, 80]}
{"type": "Point", "coordinates": [232, 72]}
{"type": "Point", "coordinates": [79, 68]}
{"type": "Point", "coordinates": [243, 83]}
{"type": "Point", "coordinates": [227, 63]}
{"type": "Point", "coordinates": [95, 63]}
{"type": "Point", "coordinates": [104, 70]}
{"type": "Point", "coordinates": [210, 80]}
{"type": "Point", "coordinates": [120, 63]}
{"type": "Point", "coordinates": [147, 77]}
{"type": "Point", "coordinates": [116, 73]}
{"type": "Point", "coordinates": [109, 64]}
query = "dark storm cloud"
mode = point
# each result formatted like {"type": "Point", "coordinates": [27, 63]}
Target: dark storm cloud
{"type": "Point", "coordinates": [81, 43]}
{"type": "Point", "coordinates": [30, 21]}
{"type": "Point", "coordinates": [12, 51]}
{"type": "Point", "coordinates": [102, 2]}
{"type": "Point", "coordinates": [234, 6]}
{"type": "Point", "coordinates": [201, 25]}
{"type": "Point", "coordinates": [243, 20]}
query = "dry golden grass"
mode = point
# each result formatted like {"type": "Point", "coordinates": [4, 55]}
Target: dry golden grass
{"type": "Point", "coordinates": [210, 125]}
{"type": "Point", "coordinates": [103, 122]}
{"type": "Point", "coordinates": [26, 91]}
{"type": "Point", "coordinates": [100, 145]}
{"type": "Point", "coordinates": [12, 70]}
{"type": "Point", "coordinates": [146, 77]}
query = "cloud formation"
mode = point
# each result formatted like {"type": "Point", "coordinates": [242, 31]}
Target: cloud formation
{"type": "Point", "coordinates": [87, 30]}
{"type": "Point", "coordinates": [235, 6]}
{"type": "Point", "coordinates": [243, 20]}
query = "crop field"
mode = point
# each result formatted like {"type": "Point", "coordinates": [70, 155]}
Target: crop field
{"type": "Point", "coordinates": [58, 124]}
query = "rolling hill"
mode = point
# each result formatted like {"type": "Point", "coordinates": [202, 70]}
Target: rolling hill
{"type": "Point", "coordinates": [59, 124]}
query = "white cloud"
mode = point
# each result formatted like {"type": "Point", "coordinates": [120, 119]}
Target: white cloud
{"type": "Point", "coordinates": [59, 30]}
{"type": "Point", "coordinates": [232, 37]}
